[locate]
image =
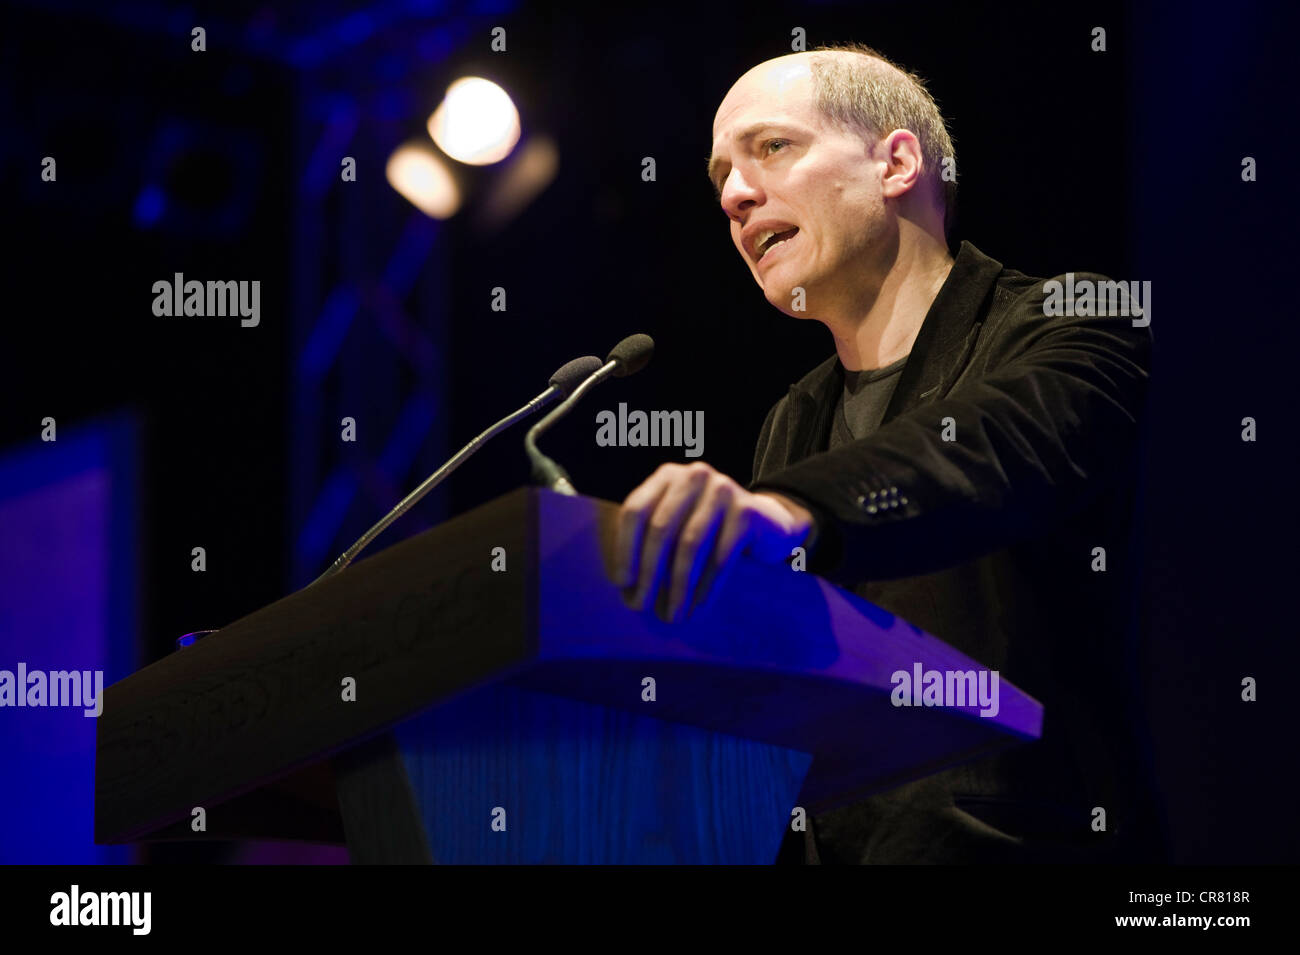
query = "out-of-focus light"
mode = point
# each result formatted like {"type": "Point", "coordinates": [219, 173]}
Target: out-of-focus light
{"type": "Point", "coordinates": [530, 171]}
{"type": "Point", "coordinates": [417, 173]}
{"type": "Point", "coordinates": [149, 206]}
{"type": "Point", "coordinates": [476, 122]}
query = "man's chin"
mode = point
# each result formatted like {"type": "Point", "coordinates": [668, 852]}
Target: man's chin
{"type": "Point", "coordinates": [783, 299]}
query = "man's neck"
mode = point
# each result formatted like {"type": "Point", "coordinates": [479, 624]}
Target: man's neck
{"type": "Point", "coordinates": [886, 331]}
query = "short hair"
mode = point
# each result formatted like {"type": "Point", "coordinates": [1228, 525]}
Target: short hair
{"type": "Point", "coordinates": [870, 94]}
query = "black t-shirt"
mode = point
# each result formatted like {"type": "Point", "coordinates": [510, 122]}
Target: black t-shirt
{"type": "Point", "coordinates": [863, 403]}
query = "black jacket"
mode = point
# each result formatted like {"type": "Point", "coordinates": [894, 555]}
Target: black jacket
{"type": "Point", "coordinates": [988, 542]}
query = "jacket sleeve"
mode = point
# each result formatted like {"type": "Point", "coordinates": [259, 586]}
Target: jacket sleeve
{"type": "Point", "coordinates": [1053, 418]}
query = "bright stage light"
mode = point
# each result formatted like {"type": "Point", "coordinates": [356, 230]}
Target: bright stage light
{"type": "Point", "coordinates": [476, 122]}
{"type": "Point", "coordinates": [418, 174]}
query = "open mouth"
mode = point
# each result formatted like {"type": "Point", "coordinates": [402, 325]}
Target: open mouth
{"type": "Point", "coordinates": [769, 242]}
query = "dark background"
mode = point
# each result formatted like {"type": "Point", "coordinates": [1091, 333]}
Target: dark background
{"type": "Point", "coordinates": [1125, 162]}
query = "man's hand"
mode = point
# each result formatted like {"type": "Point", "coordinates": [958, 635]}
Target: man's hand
{"type": "Point", "coordinates": [684, 525]}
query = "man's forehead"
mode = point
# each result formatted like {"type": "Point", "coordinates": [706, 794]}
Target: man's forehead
{"type": "Point", "coordinates": [779, 86]}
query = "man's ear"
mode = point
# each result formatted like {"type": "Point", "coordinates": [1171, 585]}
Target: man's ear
{"type": "Point", "coordinates": [904, 162]}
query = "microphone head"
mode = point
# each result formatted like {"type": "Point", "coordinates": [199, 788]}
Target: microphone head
{"type": "Point", "coordinates": [631, 354]}
{"type": "Point", "coordinates": [574, 373]}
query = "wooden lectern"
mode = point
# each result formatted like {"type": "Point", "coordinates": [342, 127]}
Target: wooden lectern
{"type": "Point", "coordinates": [479, 693]}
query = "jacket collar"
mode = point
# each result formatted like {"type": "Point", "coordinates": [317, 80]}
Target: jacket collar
{"type": "Point", "coordinates": [936, 359]}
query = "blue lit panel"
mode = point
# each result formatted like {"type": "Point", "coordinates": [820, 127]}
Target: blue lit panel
{"type": "Point", "coordinates": [67, 602]}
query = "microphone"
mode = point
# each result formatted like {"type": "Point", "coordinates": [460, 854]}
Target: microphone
{"type": "Point", "coordinates": [565, 382]}
{"type": "Point", "coordinates": [626, 358]}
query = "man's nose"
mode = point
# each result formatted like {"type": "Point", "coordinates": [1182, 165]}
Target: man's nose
{"type": "Point", "coordinates": [738, 195]}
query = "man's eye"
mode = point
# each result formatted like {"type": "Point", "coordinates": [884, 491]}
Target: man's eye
{"type": "Point", "coordinates": [767, 146]}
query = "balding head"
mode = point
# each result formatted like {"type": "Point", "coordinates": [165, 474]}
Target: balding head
{"type": "Point", "coordinates": [824, 187]}
{"type": "Point", "coordinates": [783, 82]}
{"type": "Point", "coordinates": [857, 89]}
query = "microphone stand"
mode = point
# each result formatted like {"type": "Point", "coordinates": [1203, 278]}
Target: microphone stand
{"type": "Point", "coordinates": [433, 480]}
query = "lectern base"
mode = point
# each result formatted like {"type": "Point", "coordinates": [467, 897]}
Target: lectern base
{"type": "Point", "coordinates": [512, 776]}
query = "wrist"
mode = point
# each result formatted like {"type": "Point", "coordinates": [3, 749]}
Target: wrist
{"type": "Point", "coordinates": [804, 520]}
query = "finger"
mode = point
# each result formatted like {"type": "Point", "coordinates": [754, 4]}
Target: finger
{"type": "Point", "coordinates": [632, 518]}
{"type": "Point", "coordinates": [695, 546]}
{"type": "Point", "coordinates": [661, 531]}
{"type": "Point", "coordinates": [731, 542]}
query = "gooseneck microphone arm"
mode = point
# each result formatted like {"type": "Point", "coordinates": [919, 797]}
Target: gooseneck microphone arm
{"type": "Point", "coordinates": [627, 357]}
{"type": "Point", "coordinates": [547, 471]}
{"type": "Point", "coordinates": [562, 383]}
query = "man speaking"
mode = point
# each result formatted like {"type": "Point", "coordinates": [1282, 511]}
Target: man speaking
{"type": "Point", "coordinates": [966, 460]}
